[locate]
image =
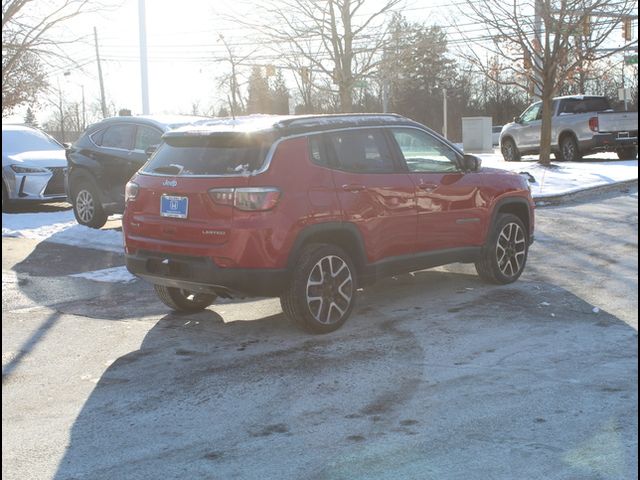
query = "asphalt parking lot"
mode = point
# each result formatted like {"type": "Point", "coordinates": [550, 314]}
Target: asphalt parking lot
{"type": "Point", "coordinates": [436, 375]}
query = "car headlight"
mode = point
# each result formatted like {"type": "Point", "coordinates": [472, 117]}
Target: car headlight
{"type": "Point", "coordinates": [20, 169]}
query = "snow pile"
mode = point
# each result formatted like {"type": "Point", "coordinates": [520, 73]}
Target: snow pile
{"type": "Point", "coordinates": [567, 177]}
{"type": "Point", "coordinates": [60, 227]}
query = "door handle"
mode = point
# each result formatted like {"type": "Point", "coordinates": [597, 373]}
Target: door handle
{"type": "Point", "coordinates": [427, 187]}
{"type": "Point", "coordinates": [353, 188]}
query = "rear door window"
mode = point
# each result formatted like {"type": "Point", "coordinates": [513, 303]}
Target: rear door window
{"type": "Point", "coordinates": [225, 154]}
{"type": "Point", "coordinates": [118, 136]}
{"type": "Point", "coordinates": [361, 151]}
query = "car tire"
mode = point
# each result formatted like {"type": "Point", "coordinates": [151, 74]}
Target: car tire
{"type": "Point", "coordinates": [87, 207]}
{"type": "Point", "coordinates": [627, 153]}
{"type": "Point", "coordinates": [569, 151]}
{"type": "Point", "coordinates": [7, 204]}
{"type": "Point", "coordinates": [182, 300]}
{"type": "Point", "coordinates": [322, 290]}
{"type": "Point", "coordinates": [504, 256]}
{"type": "Point", "coordinates": [510, 151]}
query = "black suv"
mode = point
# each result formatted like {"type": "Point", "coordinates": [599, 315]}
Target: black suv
{"type": "Point", "coordinates": [106, 156]}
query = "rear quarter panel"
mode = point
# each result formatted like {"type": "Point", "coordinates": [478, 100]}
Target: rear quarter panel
{"type": "Point", "coordinates": [307, 198]}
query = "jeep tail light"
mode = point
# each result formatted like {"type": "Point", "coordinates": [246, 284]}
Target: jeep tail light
{"type": "Point", "coordinates": [222, 196]}
{"type": "Point", "coordinates": [593, 124]}
{"type": "Point", "coordinates": [131, 191]}
{"type": "Point", "coordinates": [247, 198]}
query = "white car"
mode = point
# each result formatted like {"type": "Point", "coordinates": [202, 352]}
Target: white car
{"type": "Point", "coordinates": [33, 166]}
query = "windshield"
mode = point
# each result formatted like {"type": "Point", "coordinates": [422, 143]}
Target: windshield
{"type": "Point", "coordinates": [208, 155]}
{"type": "Point", "coordinates": [17, 141]}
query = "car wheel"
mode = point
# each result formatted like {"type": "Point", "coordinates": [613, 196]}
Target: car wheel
{"type": "Point", "coordinates": [87, 207]}
{"type": "Point", "coordinates": [510, 151]}
{"type": "Point", "coordinates": [505, 254]}
{"type": "Point", "coordinates": [7, 205]}
{"type": "Point", "coordinates": [569, 151]}
{"type": "Point", "coordinates": [184, 300]}
{"type": "Point", "coordinates": [627, 153]}
{"type": "Point", "coordinates": [322, 291]}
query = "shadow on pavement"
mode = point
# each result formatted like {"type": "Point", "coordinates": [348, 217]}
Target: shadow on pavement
{"type": "Point", "coordinates": [28, 207]}
{"type": "Point", "coordinates": [435, 376]}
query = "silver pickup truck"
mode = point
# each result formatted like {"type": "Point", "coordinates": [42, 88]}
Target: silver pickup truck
{"type": "Point", "coordinates": [581, 125]}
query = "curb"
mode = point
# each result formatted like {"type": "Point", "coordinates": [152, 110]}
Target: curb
{"type": "Point", "coordinates": [584, 193]}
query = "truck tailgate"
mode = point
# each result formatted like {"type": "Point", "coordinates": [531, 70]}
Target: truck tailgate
{"type": "Point", "coordinates": [617, 121]}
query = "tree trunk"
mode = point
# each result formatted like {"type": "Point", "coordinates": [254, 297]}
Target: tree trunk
{"type": "Point", "coordinates": [545, 129]}
{"type": "Point", "coordinates": [346, 101]}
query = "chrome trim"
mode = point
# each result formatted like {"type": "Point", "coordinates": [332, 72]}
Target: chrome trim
{"type": "Point", "coordinates": [269, 158]}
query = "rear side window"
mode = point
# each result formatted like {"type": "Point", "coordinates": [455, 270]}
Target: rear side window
{"type": "Point", "coordinates": [361, 151]}
{"type": "Point", "coordinates": [146, 137]}
{"type": "Point", "coordinates": [225, 154]}
{"type": "Point", "coordinates": [318, 151]}
{"type": "Point", "coordinates": [118, 136]}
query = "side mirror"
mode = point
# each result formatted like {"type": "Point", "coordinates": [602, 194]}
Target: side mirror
{"type": "Point", "coordinates": [517, 120]}
{"type": "Point", "coordinates": [470, 163]}
{"type": "Point", "coordinates": [66, 145]}
{"type": "Point", "coordinates": [150, 149]}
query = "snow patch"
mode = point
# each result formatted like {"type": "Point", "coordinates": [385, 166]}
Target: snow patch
{"type": "Point", "coordinates": [567, 177]}
{"type": "Point", "coordinates": [60, 227]}
{"type": "Point", "coordinates": [108, 275]}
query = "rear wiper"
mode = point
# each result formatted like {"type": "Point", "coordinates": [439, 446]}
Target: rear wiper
{"type": "Point", "coordinates": [172, 169]}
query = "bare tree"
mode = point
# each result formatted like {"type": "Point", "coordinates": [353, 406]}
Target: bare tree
{"type": "Point", "coordinates": [339, 39]}
{"type": "Point", "coordinates": [236, 102]}
{"type": "Point", "coordinates": [31, 41]}
{"type": "Point", "coordinates": [539, 39]}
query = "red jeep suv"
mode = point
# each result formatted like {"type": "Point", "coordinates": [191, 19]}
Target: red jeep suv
{"type": "Point", "coordinates": [311, 208]}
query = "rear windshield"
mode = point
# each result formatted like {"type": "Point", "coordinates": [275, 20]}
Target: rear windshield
{"type": "Point", "coordinates": [592, 104]}
{"type": "Point", "coordinates": [209, 155]}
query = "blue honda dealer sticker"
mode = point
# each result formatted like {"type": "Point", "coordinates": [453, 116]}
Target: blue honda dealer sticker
{"type": "Point", "coordinates": [172, 206]}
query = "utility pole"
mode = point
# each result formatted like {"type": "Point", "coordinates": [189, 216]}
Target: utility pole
{"type": "Point", "coordinates": [385, 95]}
{"type": "Point", "coordinates": [84, 110]}
{"type": "Point", "coordinates": [103, 102]}
{"type": "Point", "coordinates": [624, 88]}
{"type": "Point", "coordinates": [537, 47]}
{"type": "Point", "coordinates": [61, 112]}
{"type": "Point", "coordinates": [444, 110]}
{"type": "Point", "coordinates": [144, 78]}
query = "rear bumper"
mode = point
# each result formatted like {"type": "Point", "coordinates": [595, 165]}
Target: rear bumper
{"type": "Point", "coordinates": [610, 141]}
{"type": "Point", "coordinates": [201, 274]}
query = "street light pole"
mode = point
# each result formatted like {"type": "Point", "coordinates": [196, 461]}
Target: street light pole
{"type": "Point", "coordinates": [103, 102]}
{"type": "Point", "coordinates": [143, 57]}
{"type": "Point", "coordinates": [444, 109]}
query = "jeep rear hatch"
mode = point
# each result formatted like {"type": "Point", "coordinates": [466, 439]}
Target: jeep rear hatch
{"type": "Point", "coordinates": [188, 191]}
{"type": "Point", "coordinates": [214, 154]}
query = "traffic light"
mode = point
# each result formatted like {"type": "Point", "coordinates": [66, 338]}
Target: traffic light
{"type": "Point", "coordinates": [626, 28]}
